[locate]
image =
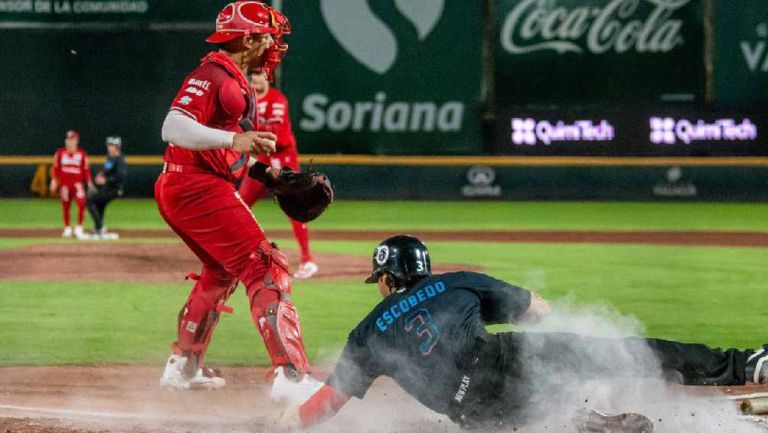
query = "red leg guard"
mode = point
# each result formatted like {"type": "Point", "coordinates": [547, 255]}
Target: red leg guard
{"type": "Point", "coordinates": [272, 310]}
{"type": "Point", "coordinates": [200, 314]}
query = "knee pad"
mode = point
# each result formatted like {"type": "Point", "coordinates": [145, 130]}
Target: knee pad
{"type": "Point", "coordinates": [266, 268]}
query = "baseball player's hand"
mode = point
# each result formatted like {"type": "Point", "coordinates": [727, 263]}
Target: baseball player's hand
{"type": "Point", "coordinates": [536, 311]}
{"type": "Point", "coordinates": [274, 173]}
{"type": "Point", "coordinates": [100, 179]}
{"type": "Point", "coordinates": [254, 142]}
{"type": "Point", "coordinates": [54, 185]}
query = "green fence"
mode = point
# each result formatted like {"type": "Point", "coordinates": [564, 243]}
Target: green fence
{"type": "Point", "coordinates": [643, 179]}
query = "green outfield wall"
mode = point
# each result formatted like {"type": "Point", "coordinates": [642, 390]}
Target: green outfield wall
{"type": "Point", "coordinates": [741, 52]}
{"type": "Point", "coordinates": [398, 77]}
{"type": "Point", "coordinates": [477, 178]}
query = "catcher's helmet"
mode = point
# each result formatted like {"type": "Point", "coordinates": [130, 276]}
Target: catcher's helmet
{"type": "Point", "coordinates": [403, 256]}
{"type": "Point", "coordinates": [243, 18]}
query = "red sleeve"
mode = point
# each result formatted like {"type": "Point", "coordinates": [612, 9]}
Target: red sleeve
{"type": "Point", "coordinates": [57, 165]}
{"type": "Point", "coordinates": [86, 167]}
{"type": "Point", "coordinates": [197, 96]}
{"type": "Point", "coordinates": [281, 121]}
{"type": "Point", "coordinates": [323, 404]}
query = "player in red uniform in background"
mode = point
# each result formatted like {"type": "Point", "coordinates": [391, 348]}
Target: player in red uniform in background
{"type": "Point", "coordinates": [272, 112]}
{"type": "Point", "coordinates": [210, 142]}
{"type": "Point", "coordinates": [71, 175]}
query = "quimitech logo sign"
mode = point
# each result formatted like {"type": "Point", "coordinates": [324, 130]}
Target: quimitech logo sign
{"type": "Point", "coordinates": [531, 132]}
{"type": "Point", "coordinates": [668, 130]}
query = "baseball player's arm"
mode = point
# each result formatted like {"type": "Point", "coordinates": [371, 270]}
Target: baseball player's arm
{"type": "Point", "coordinates": [56, 172]}
{"type": "Point", "coordinates": [117, 175]}
{"type": "Point", "coordinates": [536, 311]}
{"type": "Point", "coordinates": [183, 131]}
{"type": "Point", "coordinates": [501, 302]}
{"type": "Point", "coordinates": [323, 404]}
{"type": "Point", "coordinates": [354, 373]}
{"type": "Point", "coordinates": [86, 169]}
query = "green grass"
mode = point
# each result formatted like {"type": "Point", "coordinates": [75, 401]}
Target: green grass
{"type": "Point", "coordinates": [701, 294]}
{"type": "Point", "coordinates": [373, 215]}
{"type": "Point", "coordinates": [710, 295]}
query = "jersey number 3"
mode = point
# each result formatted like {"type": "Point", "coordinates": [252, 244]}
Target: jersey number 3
{"type": "Point", "coordinates": [420, 321]}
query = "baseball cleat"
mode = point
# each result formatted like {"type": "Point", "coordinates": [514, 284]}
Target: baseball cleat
{"type": "Point", "coordinates": [757, 366]}
{"type": "Point", "coordinates": [292, 387]}
{"type": "Point", "coordinates": [593, 421]}
{"type": "Point", "coordinates": [205, 378]}
{"type": "Point", "coordinates": [306, 270]}
{"type": "Point", "coordinates": [67, 233]}
{"type": "Point", "coordinates": [108, 235]}
{"type": "Point", "coordinates": [103, 235]}
{"type": "Point", "coordinates": [79, 233]}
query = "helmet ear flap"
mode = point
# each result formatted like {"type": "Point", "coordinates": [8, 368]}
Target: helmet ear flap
{"type": "Point", "coordinates": [396, 285]}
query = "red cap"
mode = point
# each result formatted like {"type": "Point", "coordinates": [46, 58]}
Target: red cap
{"type": "Point", "coordinates": [243, 18]}
{"type": "Point", "coordinates": [73, 134]}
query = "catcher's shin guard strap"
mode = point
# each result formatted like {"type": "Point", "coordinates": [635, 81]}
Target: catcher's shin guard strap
{"type": "Point", "coordinates": [280, 328]}
{"type": "Point", "coordinates": [199, 317]}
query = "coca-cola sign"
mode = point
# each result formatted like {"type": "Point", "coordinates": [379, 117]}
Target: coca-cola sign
{"type": "Point", "coordinates": [619, 26]}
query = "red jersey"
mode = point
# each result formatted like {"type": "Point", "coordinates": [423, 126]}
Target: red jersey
{"type": "Point", "coordinates": [71, 167]}
{"type": "Point", "coordinates": [272, 112]}
{"type": "Point", "coordinates": [217, 95]}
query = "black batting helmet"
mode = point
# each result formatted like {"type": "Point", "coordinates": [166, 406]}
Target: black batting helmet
{"type": "Point", "coordinates": [403, 256]}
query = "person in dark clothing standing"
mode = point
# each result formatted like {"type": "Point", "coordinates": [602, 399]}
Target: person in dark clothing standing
{"type": "Point", "coordinates": [428, 335]}
{"type": "Point", "coordinates": [108, 184]}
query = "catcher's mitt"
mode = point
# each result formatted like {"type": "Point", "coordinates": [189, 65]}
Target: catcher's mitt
{"type": "Point", "coordinates": [302, 196]}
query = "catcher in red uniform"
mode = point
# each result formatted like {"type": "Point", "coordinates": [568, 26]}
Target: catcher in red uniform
{"type": "Point", "coordinates": [272, 116]}
{"type": "Point", "coordinates": [210, 142]}
{"type": "Point", "coordinates": [71, 175]}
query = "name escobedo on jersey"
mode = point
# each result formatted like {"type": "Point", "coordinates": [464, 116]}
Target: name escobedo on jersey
{"type": "Point", "coordinates": [319, 112]}
{"type": "Point", "coordinates": [388, 317]}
